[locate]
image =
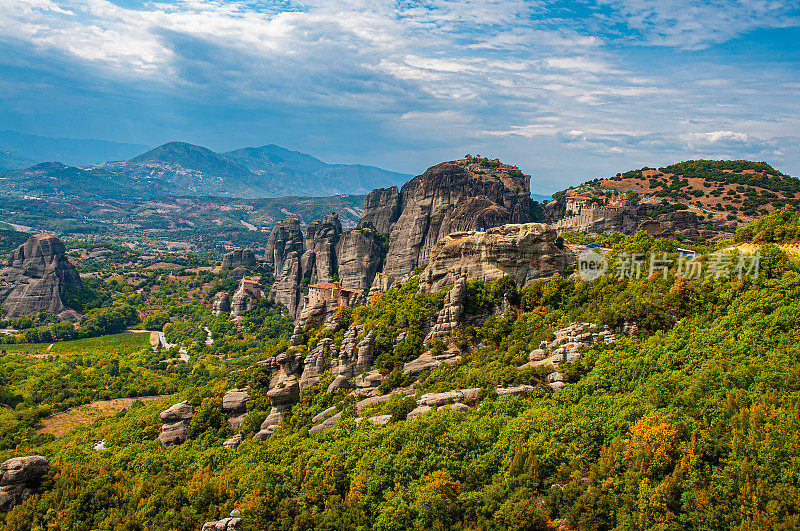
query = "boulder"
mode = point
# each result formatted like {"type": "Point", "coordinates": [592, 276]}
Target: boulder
{"type": "Point", "coordinates": [36, 278]}
{"type": "Point", "coordinates": [19, 478]}
{"type": "Point", "coordinates": [380, 420]}
{"type": "Point", "coordinates": [519, 390]}
{"type": "Point", "coordinates": [234, 441]}
{"type": "Point", "coordinates": [417, 411]}
{"type": "Point", "coordinates": [226, 524]}
{"type": "Point", "coordinates": [175, 421]}
{"type": "Point", "coordinates": [234, 406]}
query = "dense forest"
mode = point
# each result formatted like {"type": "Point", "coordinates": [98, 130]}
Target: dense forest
{"type": "Point", "coordinates": [689, 422]}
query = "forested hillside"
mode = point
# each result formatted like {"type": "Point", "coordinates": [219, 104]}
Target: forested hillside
{"type": "Point", "coordinates": [687, 421]}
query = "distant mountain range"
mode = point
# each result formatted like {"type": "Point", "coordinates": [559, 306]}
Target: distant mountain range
{"type": "Point", "coordinates": [76, 152]}
{"type": "Point", "coordinates": [182, 169]}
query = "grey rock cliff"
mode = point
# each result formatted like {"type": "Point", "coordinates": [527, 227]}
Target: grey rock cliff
{"type": "Point", "coordinates": [283, 258]}
{"type": "Point", "coordinates": [523, 252]}
{"type": "Point", "coordinates": [381, 209]}
{"type": "Point", "coordinates": [450, 197]}
{"type": "Point", "coordinates": [36, 277]}
{"type": "Point", "coordinates": [360, 256]}
{"type": "Point", "coordinates": [19, 478]}
{"type": "Point", "coordinates": [248, 293]}
{"type": "Point", "coordinates": [319, 261]}
{"type": "Point", "coordinates": [222, 303]}
{"type": "Point", "coordinates": [239, 258]}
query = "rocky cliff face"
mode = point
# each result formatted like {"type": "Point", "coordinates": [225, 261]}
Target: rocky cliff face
{"type": "Point", "coordinates": [448, 197]}
{"type": "Point", "coordinates": [521, 251]}
{"type": "Point", "coordinates": [319, 261]}
{"type": "Point", "coordinates": [359, 255]}
{"type": "Point", "coordinates": [239, 263]}
{"type": "Point", "coordinates": [381, 209]}
{"type": "Point", "coordinates": [284, 251]}
{"type": "Point", "coordinates": [37, 276]}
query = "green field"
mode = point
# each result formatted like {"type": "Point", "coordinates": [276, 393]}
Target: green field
{"type": "Point", "coordinates": [124, 343]}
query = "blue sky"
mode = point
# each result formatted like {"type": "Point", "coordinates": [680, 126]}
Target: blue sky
{"type": "Point", "coordinates": [567, 90]}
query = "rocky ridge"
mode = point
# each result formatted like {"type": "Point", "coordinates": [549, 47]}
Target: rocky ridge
{"type": "Point", "coordinates": [523, 252]}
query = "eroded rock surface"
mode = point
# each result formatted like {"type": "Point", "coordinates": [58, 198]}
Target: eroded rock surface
{"type": "Point", "coordinates": [19, 478]}
{"type": "Point", "coordinates": [284, 392]}
{"type": "Point", "coordinates": [319, 262]}
{"type": "Point", "coordinates": [523, 252]}
{"type": "Point", "coordinates": [36, 277]}
{"type": "Point", "coordinates": [234, 406]}
{"type": "Point", "coordinates": [283, 259]}
{"type": "Point", "coordinates": [226, 524]}
{"type": "Point", "coordinates": [449, 317]}
{"type": "Point", "coordinates": [245, 297]}
{"type": "Point", "coordinates": [222, 303]}
{"type": "Point", "coordinates": [448, 197]}
{"type": "Point", "coordinates": [360, 256]}
{"type": "Point", "coordinates": [175, 423]}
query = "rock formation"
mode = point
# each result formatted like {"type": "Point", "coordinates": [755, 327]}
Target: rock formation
{"type": "Point", "coordinates": [239, 258]}
{"type": "Point", "coordinates": [381, 209]}
{"type": "Point", "coordinates": [314, 364]}
{"type": "Point", "coordinates": [175, 421]}
{"type": "Point", "coordinates": [19, 478]}
{"type": "Point", "coordinates": [234, 406]}
{"type": "Point", "coordinates": [343, 367]}
{"type": "Point", "coordinates": [36, 277]}
{"type": "Point", "coordinates": [450, 315]}
{"type": "Point", "coordinates": [222, 303]}
{"type": "Point", "coordinates": [245, 297]}
{"type": "Point", "coordinates": [448, 197]}
{"type": "Point", "coordinates": [319, 262]}
{"type": "Point", "coordinates": [366, 352]}
{"type": "Point", "coordinates": [283, 393]}
{"type": "Point", "coordinates": [523, 252]}
{"type": "Point", "coordinates": [360, 256]}
{"type": "Point", "coordinates": [569, 345]}
{"type": "Point", "coordinates": [284, 251]}
{"type": "Point", "coordinates": [226, 524]}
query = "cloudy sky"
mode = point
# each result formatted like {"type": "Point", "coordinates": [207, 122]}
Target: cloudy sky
{"type": "Point", "coordinates": [568, 90]}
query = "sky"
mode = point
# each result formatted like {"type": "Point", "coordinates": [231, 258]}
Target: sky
{"type": "Point", "coordinates": [567, 90]}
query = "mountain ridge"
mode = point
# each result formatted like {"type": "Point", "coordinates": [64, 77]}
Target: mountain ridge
{"type": "Point", "coordinates": [184, 169]}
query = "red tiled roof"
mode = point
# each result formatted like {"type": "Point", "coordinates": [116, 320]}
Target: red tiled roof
{"type": "Point", "coordinates": [332, 285]}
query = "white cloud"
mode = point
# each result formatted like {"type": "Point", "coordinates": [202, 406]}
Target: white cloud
{"type": "Point", "coordinates": [449, 71]}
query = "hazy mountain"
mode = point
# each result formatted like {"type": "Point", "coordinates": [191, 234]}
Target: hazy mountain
{"type": "Point", "coordinates": [72, 151]}
{"type": "Point", "coordinates": [14, 160]}
{"type": "Point", "coordinates": [182, 169]}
